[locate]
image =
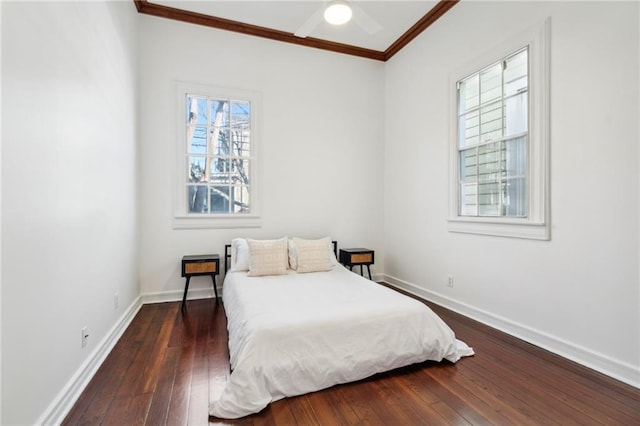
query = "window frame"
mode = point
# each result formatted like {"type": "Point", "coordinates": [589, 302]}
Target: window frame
{"type": "Point", "coordinates": [182, 219]}
{"type": "Point", "coordinates": [536, 224]}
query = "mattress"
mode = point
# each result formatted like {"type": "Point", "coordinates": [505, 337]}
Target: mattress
{"type": "Point", "coordinates": [298, 333]}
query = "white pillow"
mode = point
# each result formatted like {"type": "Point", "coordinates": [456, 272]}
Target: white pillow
{"type": "Point", "coordinates": [313, 255]}
{"type": "Point", "coordinates": [267, 257]}
{"type": "Point", "coordinates": [293, 252]}
{"type": "Point", "coordinates": [239, 255]}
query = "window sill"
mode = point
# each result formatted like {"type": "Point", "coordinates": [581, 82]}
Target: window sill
{"type": "Point", "coordinates": [216, 222]}
{"type": "Point", "coordinates": [501, 227]}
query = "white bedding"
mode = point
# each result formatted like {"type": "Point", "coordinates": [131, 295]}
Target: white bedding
{"type": "Point", "coordinates": [298, 333]}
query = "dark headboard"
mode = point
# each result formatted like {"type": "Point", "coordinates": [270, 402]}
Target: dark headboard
{"type": "Point", "coordinates": [227, 254]}
{"type": "Point", "coordinates": [227, 257]}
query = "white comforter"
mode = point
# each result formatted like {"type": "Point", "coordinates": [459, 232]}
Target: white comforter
{"type": "Point", "coordinates": [297, 333]}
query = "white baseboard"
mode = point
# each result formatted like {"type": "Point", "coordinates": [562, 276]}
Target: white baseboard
{"type": "Point", "coordinates": [67, 397]}
{"type": "Point", "coordinates": [604, 364]}
{"type": "Point", "coordinates": [176, 295]}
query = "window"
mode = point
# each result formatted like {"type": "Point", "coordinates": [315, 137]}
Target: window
{"type": "Point", "coordinates": [493, 138]}
{"type": "Point", "coordinates": [218, 155]}
{"type": "Point", "coordinates": [499, 145]}
{"type": "Point", "coordinates": [217, 158]}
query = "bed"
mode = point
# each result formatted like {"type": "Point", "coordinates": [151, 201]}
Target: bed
{"type": "Point", "coordinates": [295, 333]}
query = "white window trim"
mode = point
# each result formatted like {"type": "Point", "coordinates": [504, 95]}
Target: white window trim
{"type": "Point", "coordinates": [537, 224]}
{"type": "Point", "coordinates": [182, 220]}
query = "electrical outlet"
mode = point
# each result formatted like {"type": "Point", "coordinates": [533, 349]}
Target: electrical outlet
{"type": "Point", "coordinates": [116, 300]}
{"type": "Point", "coordinates": [85, 336]}
{"type": "Point", "coordinates": [450, 281]}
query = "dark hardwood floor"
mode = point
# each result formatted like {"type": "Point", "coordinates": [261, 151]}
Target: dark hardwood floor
{"type": "Point", "coordinates": [169, 363]}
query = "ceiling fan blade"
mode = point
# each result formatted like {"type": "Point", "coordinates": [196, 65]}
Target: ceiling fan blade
{"type": "Point", "coordinates": [364, 20]}
{"type": "Point", "coordinates": [310, 24]}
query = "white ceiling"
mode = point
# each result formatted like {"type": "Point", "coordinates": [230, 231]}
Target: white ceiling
{"type": "Point", "coordinates": [394, 16]}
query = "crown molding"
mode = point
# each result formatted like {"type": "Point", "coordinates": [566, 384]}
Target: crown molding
{"type": "Point", "coordinates": [425, 22]}
{"type": "Point", "coordinates": [147, 8]}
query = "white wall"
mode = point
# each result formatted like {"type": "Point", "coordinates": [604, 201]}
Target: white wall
{"type": "Point", "coordinates": [577, 294]}
{"type": "Point", "coordinates": [322, 143]}
{"type": "Point", "coordinates": [69, 238]}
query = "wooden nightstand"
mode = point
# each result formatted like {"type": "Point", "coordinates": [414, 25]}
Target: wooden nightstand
{"type": "Point", "coordinates": [197, 265]}
{"type": "Point", "coordinates": [357, 256]}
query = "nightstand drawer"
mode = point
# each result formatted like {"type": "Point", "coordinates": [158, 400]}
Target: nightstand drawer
{"type": "Point", "coordinates": [356, 256]}
{"type": "Point", "coordinates": [202, 264]}
{"type": "Point", "coordinates": [200, 267]}
{"type": "Point", "coordinates": [361, 258]}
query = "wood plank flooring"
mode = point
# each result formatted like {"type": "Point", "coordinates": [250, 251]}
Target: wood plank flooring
{"type": "Point", "coordinates": [169, 363]}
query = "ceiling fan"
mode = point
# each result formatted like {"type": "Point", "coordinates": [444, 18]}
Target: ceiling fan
{"type": "Point", "coordinates": [338, 12]}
